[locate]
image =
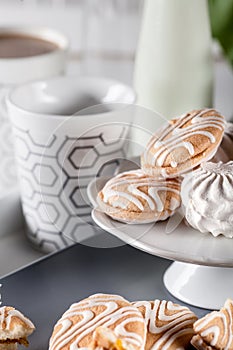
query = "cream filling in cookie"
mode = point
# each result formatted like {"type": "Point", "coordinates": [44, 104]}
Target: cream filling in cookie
{"type": "Point", "coordinates": [106, 339]}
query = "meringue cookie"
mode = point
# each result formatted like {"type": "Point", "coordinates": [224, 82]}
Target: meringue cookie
{"type": "Point", "coordinates": [207, 196]}
{"type": "Point", "coordinates": [225, 150]}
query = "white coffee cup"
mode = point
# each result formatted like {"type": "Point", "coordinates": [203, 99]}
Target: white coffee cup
{"type": "Point", "coordinates": [14, 71]}
{"type": "Point", "coordinates": [61, 145]}
{"type": "Point", "coordinates": [18, 70]}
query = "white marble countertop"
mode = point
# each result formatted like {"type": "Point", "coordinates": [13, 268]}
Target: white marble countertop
{"type": "Point", "coordinates": [15, 250]}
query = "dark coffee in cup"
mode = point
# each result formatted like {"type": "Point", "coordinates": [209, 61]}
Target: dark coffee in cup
{"type": "Point", "coordinates": [16, 46]}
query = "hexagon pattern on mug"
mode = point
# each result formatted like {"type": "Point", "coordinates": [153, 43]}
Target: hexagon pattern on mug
{"type": "Point", "coordinates": [54, 177]}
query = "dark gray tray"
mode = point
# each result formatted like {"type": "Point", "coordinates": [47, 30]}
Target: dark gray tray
{"type": "Point", "coordinates": [45, 289]}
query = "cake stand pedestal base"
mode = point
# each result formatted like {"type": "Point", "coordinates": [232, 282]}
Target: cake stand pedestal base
{"type": "Point", "coordinates": [202, 286]}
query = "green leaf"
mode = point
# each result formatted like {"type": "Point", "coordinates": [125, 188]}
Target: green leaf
{"type": "Point", "coordinates": [221, 18]}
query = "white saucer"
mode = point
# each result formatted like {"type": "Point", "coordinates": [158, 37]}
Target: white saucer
{"type": "Point", "coordinates": [172, 239]}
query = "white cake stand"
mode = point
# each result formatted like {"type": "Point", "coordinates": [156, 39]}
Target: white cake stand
{"type": "Point", "coordinates": [202, 273]}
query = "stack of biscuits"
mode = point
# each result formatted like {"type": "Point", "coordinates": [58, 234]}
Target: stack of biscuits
{"type": "Point", "coordinates": [188, 150]}
{"type": "Point", "coordinates": [110, 322]}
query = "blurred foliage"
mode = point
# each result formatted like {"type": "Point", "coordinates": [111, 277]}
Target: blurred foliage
{"type": "Point", "coordinates": [221, 17]}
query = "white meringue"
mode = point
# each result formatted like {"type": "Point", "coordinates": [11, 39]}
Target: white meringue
{"type": "Point", "coordinates": [207, 196]}
{"type": "Point", "coordinates": [225, 150]}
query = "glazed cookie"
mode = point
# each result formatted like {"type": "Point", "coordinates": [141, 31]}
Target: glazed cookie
{"type": "Point", "coordinates": [183, 144]}
{"type": "Point", "coordinates": [169, 325]}
{"type": "Point", "coordinates": [225, 151]}
{"type": "Point", "coordinates": [14, 328]}
{"type": "Point", "coordinates": [207, 197]}
{"type": "Point", "coordinates": [215, 330]}
{"type": "Point", "coordinates": [134, 197]}
{"type": "Point", "coordinates": [77, 326]}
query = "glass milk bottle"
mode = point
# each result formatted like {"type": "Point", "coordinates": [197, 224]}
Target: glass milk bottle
{"type": "Point", "coordinates": [173, 67]}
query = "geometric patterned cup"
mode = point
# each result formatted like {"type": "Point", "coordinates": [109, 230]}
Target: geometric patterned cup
{"type": "Point", "coordinates": [14, 71]}
{"type": "Point", "coordinates": [61, 144]}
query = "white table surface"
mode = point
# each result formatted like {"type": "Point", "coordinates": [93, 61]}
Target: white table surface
{"type": "Point", "coordinates": [15, 250]}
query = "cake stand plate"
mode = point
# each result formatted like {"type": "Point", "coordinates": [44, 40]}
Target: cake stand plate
{"type": "Point", "coordinates": [202, 274]}
{"type": "Point", "coordinates": [202, 286]}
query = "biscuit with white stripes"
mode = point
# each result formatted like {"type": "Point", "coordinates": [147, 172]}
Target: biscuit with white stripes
{"type": "Point", "coordinates": [14, 328]}
{"type": "Point", "coordinates": [136, 198]}
{"type": "Point", "coordinates": [215, 330]}
{"type": "Point", "coordinates": [169, 325]}
{"type": "Point", "coordinates": [76, 328]}
{"type": "Point", "coordinates": [184, 143]}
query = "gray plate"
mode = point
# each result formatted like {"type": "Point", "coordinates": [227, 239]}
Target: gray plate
{"type": "Point", "coordinates": [45, 289]}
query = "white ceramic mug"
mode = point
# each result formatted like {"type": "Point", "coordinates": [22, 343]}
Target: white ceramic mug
{"type": "Point", "coordinates": [61, 144]}
{"type": "Point", "coordinates": [15, 71]}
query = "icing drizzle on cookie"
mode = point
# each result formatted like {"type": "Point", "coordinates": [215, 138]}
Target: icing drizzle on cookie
{"type": "Point", "coordinates": [87, 320]}
{"type": "Point", "coordinates": [218, 327]}
{"type": "Point", "coordinates": [166, 322]}
{"type": "Point", "coordinates": [133, 182]}
{"type": "Point", "coordinates": [6, 315]}
{"type": "Point", "coordinates": [176, 136]}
